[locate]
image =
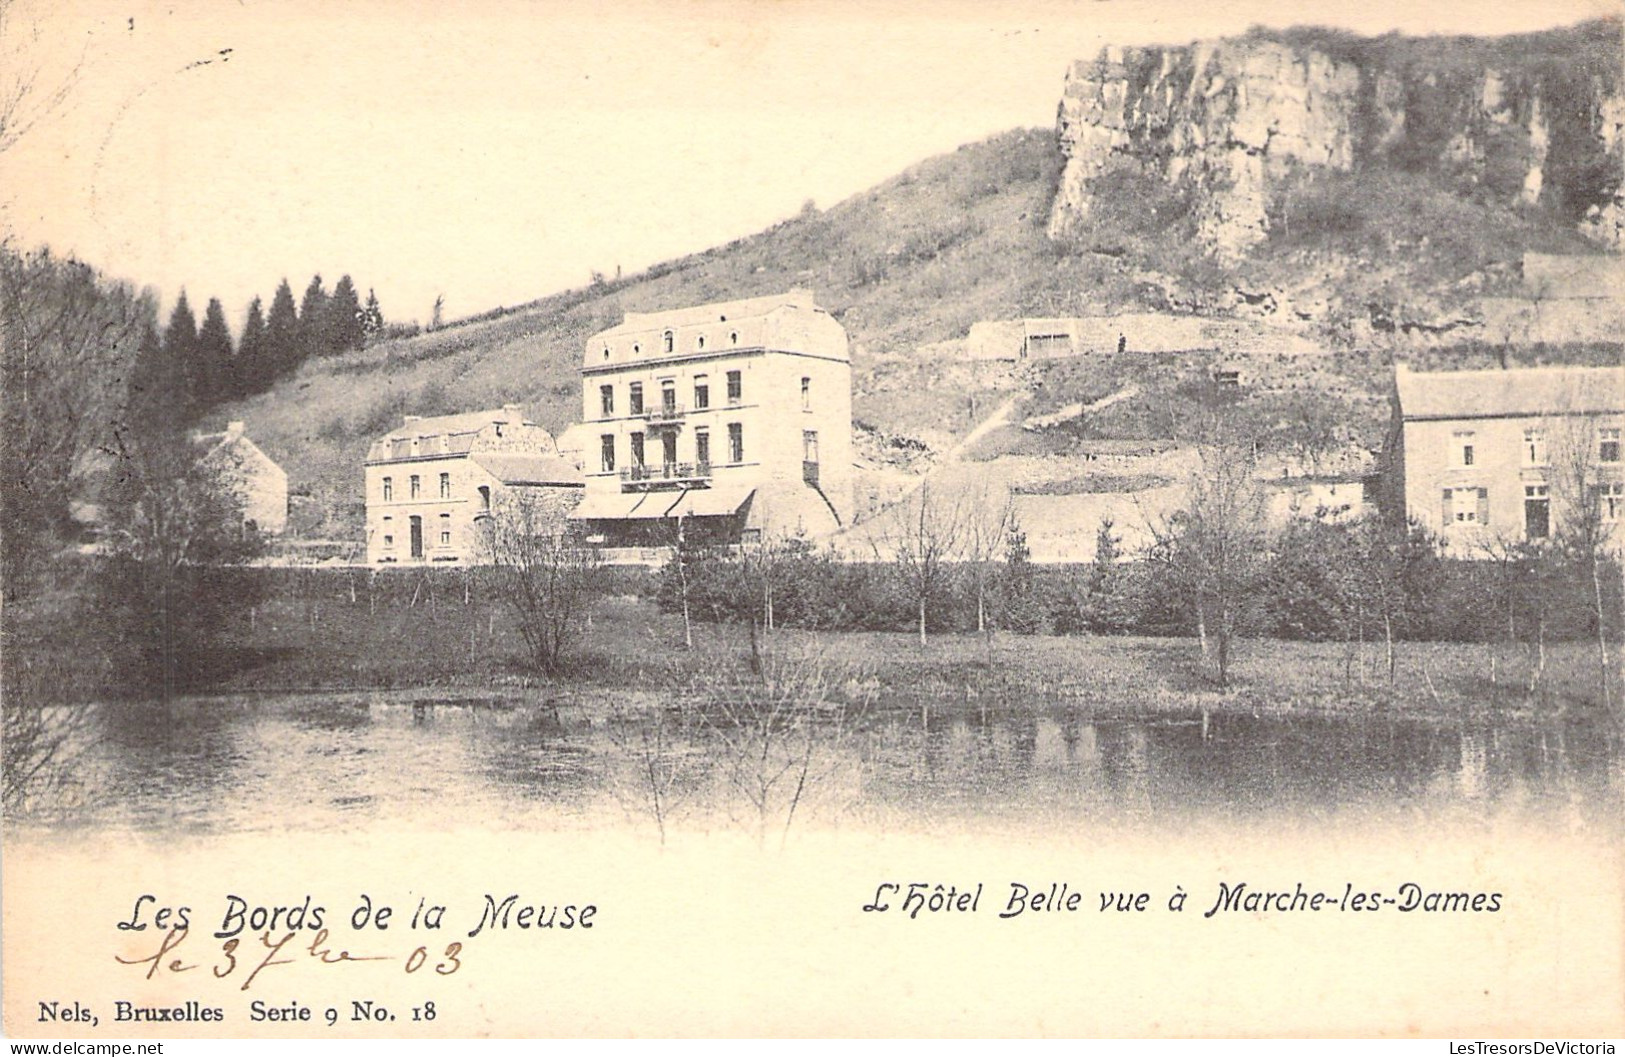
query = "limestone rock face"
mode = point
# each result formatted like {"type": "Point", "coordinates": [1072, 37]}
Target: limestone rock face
{"type": "Point", "coordinates": [1225, 121]}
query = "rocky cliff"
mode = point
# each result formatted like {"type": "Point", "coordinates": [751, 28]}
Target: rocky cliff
{"type": "Point", "coordinates": [1224, 126]}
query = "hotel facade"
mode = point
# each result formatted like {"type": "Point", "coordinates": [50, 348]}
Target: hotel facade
{"type": "Point", "coordinates": [724, 422]}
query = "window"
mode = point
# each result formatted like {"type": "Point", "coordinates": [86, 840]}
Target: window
{"type": "Point", "coordinates": [637, 450]}
{"type": "Point", "coordinates": [699, 342]}
{"type": "Point", "coordinates": [809, 445]}
{"type": "Point", "coordinates": [416, 486]}
{"type": "Point", "coordinates": [1537, 511]}
{"type": "Point", "coordinates": [736, 442]}
{"type": "Point", "coordinates": [485, 497]}
{"type": "Point", "coordinates": [415, 442]}
{"type": "Point", "coordinates": [445, 530]}
{"type": "Point", "coordinates": [1464, 448]}
{"type": "Point", "coordinates": [1608, 445]}
{"type": "Point", "coordinates": [1466, 506]}
{"type": "Point", "coordinates": [668, 450]}
{"type": "Point", "coordinates": [389, 541]}
{"type": "Point", "coordinates": [702, 450]}
{"type": "Point", "coordinates": [445, 486]}
{"type": "Point", "coordinates": [733, 337]}
{"type": "Point", "coordinates": [668, 396]}
{"type": "Point", "coordinates": [606, 452]}
{"type": "Point", "coordinates": [669, 340]}
{"type": "Point", "coordinates": [1611, 500]}
{"type": "Point", "coordinates": [389, 489]}
{"type": "Point", "coordinates": [806, 394]}
{"type": "Point", "coordinates": [736, 387]}
{"type": "Point", "coordinates": [606, 401]}
{"type": "Point", "coordinates": [636, 348]}
{"type": "Point", "coordinates": [634, 398]}
{"type": "Point", "coordinates": [1534, 448]}
{"type": "Point", "coordinates": [702, 393]}
{"type": "Point", "coordinates": [606, 352]}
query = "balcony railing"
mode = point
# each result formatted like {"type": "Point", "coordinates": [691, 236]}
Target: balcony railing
{"type": "Point", "coordinates": [665, 475]}
{"type": "Point", "coordinates": [667, 413]}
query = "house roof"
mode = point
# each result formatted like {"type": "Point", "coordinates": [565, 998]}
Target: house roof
{"type": "Point", "coordinates": [1514, 393]}
{"type": "Point", "coordinates": [463, 422]}
{"type": "Point", "coordinates": [716, 311]}
{"type": "Point", "coordinates": [522, 468]}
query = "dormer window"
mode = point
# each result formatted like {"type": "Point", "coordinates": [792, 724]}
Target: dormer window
{"type": "Point", "coordinates": [699, 342]}
{"type": "Point", "coordinates": [498, 426]}
{"type": "Point", "coordinates": [669, 339]}
{"type": "Point", "coordinates": [606, 352]}
{"type": "Point", "coordinates": [733, 337]}
{"type": "Point", "coordinates": [636, 348]}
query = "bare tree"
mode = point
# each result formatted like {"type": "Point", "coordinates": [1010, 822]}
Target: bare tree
{"type": "Point", "coordinates": [68, 339]}
{"type": "Point", "coordinates": [922, 542]}
{"type": "Point", "coordinates": [548, 579]}
{"type": "Point", "coordinates": [1582, 534]}
{"type": "Point", "coordinates": [1212, 546]}
{"type": "Point", "coordinates": [171, 516]}
{"type": "Point", "coordinates": [989, 514]}
{"type": "Point", "coordinates": [29, 92]}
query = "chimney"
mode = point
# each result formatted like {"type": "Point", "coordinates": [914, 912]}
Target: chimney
{"type": "Point", "coordinates": [514, 412]}
{"type": "Point", "coordinates": [234, 430]}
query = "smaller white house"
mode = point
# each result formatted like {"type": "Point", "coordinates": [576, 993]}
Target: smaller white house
{"type": "Point", "coordinates": [260, 485]}
{"type": "Point", "coordinates": [432, 481]}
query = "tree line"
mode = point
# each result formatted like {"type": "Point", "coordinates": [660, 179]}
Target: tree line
{"type": "Point", "coordinates": [191, 367]}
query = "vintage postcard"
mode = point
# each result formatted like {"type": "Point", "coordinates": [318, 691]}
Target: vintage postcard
{"type": "Point", "coordinates": [812, 519]}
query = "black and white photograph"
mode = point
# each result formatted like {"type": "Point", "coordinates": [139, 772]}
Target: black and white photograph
{"type": "Point", "coordinates": [735, 518]}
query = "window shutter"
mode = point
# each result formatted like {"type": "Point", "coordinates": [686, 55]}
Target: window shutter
{"type": "Point", "coordinates": [1484, 506]}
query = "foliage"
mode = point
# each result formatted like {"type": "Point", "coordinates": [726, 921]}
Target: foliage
{"type": "Point", "coordinates": [68, 339]}
{"type": "Point", "coordinates": [170, 517]}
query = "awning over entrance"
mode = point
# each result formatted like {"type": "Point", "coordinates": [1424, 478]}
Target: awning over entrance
{"type": "Point", "coordinates": [610, 506]}
{"type": "Point", "coordinates": [711, 502]}
{"type": "Point", "coordinates": [653, 505]}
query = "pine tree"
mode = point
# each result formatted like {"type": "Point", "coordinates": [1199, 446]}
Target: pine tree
{"type": "Point", "coordinates": [254, 373]}
{"type": "Point", "coordinates": [217, 381]}
{"type": "Point", "coordinates": [149, 383]}
{"type": "Point", "coordinates": [372, 317]}
{"type": "Point", "coordinates": [281, 335]}
{"type": "Point", "coordinates": [315, 338]}
{"type": "Point", "coordinates": [344, 329]}
{"type": "Point", "coordinates": [180, 366]}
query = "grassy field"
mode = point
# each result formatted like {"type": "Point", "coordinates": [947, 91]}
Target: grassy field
{"type": "Point", "coordinates": [434, 642]}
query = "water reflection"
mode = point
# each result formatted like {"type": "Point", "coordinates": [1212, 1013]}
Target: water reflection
{"type": "Point", "coordinates": [317, 763]}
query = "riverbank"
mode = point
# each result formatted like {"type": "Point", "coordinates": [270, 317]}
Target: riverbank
{"type": "Point", "coordinates": [450, 644]}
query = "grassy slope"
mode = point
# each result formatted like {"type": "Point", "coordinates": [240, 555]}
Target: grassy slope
{"type": "Point", "coordinates": [917, 260]}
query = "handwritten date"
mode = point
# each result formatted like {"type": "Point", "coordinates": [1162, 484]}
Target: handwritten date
{"type": "Point", "coordinates": [253, 958]}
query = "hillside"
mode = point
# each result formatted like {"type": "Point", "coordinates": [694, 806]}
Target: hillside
{"type": "Point", "coordinates": [1354, 262]}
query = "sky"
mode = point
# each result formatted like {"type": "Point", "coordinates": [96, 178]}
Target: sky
{"type": "Point", "coordinates": [496, 151]}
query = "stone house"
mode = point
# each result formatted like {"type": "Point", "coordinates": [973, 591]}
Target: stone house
{"type": "Point", "coordinates": [431, 482]}
{"type": "Point", "coordinates": [1485, 458]}
{"type": "Point", "coordinates": [726, 420]}
{"type": "Point", "coordinates": [259, 484]}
